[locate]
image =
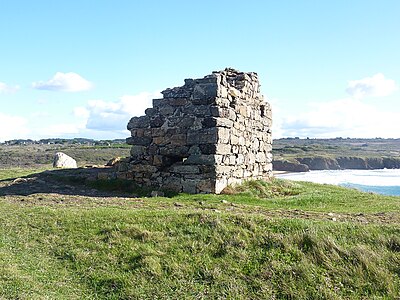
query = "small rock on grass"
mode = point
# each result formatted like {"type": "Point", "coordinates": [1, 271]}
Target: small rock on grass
{"type": "Point", "coordinates": [62, 160]}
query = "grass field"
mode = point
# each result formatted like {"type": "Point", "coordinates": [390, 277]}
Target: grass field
{"type": "Point", "coordinates": [366, 148]}
{"type": "Point", "coordinates": [278, 240]}
{"type": "Point", "coordinates": [37, 156]}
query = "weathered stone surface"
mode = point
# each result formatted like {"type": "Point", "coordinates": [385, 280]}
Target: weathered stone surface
{"type": "Point", "coordinates": [186, 169]}
{"type": "Point", "coordinates": [138, 150]}
{"type": "Point", "coordinates": [139, 122]}
{"type": "Point", "coordinates": [62, 160]}
{"type": "Point", "coordinates": [136, 140]}
{"type": "Point", "coordinates": [201, 159]}
{"type": "Point", "coordinates": [202, 136]}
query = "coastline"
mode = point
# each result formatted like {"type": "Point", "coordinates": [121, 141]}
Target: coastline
{"type": "Point", "coordinates": [382, 181]}
{"type": "Point", "coordinates": [277, 172]}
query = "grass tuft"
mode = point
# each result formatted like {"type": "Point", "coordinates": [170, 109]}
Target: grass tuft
{"type": "Point", "coordinates": [264, 189]}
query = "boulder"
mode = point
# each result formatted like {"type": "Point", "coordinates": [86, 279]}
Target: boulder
{"type": "Point", "coordinates": [62, 160]}
{"type": "Point", "coordinates": [113, 161]}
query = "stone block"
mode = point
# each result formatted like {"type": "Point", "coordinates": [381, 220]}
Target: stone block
{"type": "Point", "coordinates": [243, 111]}
{"type": "Point", "coordinates": [186, 169]}
{"type": "Point", "coordinates": [177, 101]}
{"type": "Point", "coordinates": [137, 150]}
{"type": "Point", "coordinates": [151, 112]}
{"type": "Point", "coordinates": [139, 122]}
{"type": "Point", "coordinates": [222, 92]}
{"type": "Point", "coordinates": [189, 186]}
{"type": "Point", "coordinates": [137, 132]}
{"type": "Point", "coordinates": [174, 151]}
{"type": "Point", "coordinates": [144, 141]}
{"type": "Point", "coordinates": [202, 136]}
{"type": "Point", "coordinates": [207, 169]}
{"type": "Point", "coordinates": [178, 139]}
{"type": "Point", "coordinates": [158, 102]}
{"type": "Point", "coordinates": [223, 112]}
{"type": "Point", "coordinates": [167, 110]}
{"type": "Point", "coordinates": [223, 135]}
{"type": "Point", "coordinates": [208, 148]}
{"type": "Point", "coordinates": [223, 122]}
{"type": "Point", "coordinates": [204, 93]}
{"type": "Point", "coordinates": [223, 170]}
{"type": "Point", "coordinates": [156, 121]}
{"type": "Point", "coordinates": [181, 121]}
{"type": "Point", "coordinates": [223, 149]}
{"type": "Point", "coordinates": [238, 173]}
{"type": "Point", "coordinates": [234, 139]}
{"type": "Point", "coordinates": [239, 159]}
{"type": "Point", "coordinates": [173, 183]}
{"type": "Point", "coordinates": [155, 132]}
{"type": "Point", "coordinates": [200, 159]}
{"type": "Point", "coordinates": [209, 122]}
{"type": "Point", "coordinates": [197, 110]}
{"type": "Point", "coordinates": [140, 168]}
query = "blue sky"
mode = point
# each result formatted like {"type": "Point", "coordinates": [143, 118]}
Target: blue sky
{"type": "Point", "coordinates": [83, 68]}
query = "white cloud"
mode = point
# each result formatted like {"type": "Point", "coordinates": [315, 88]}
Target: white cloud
{"type": "Point", "coordinates": [65, 82]}
{"type": "Point", "coordinates": [375, 86]}
{"type": "Point", "coordinates": [64, 129]}
{"type": "Point", "coordinates": [81, 112]}
{"type": "Point", "coordinates": [12, 127]}
{"type": "Point", "coordinates": [113, 116]}
{"type": "Point", "coordinates": [342, 118]}
{"type": "Point", "coordinates": [4, 88]}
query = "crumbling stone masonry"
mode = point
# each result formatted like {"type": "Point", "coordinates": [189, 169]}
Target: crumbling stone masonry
{"type": "Point", "coordinates": [202, 136]}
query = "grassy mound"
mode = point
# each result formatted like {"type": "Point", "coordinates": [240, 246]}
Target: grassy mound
{"type": "Point", "coordinates": [277, 240]}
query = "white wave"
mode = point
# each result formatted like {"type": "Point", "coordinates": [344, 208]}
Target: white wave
{"type": "Point", "coordinates": [383, 177]}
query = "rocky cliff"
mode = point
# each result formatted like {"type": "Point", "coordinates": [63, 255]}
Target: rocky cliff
{"type": "Point", "coordinates": [338, 163]}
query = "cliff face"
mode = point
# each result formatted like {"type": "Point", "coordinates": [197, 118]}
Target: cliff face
{"type": "Point", "coordinates": [320, 163]}
{"type": "Point", "coordinates": [338, 163]}
{"type": "Point", "coordinates": [285, 165]}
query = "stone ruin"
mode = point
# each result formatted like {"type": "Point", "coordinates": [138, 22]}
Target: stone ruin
{"type": "Point", "coordinates": [203, 136]}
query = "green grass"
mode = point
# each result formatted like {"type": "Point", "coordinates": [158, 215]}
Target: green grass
{"type": "Point", "coordinates": [123, 254]}
{"type": "Point", "coordinates": [283, 194]}
{"type": "Point", "coordinates": [248, 244]}
{"type": "Point", "coordinates": [12, 173]}
{"type": "Point", "coordinates": [365, 148]}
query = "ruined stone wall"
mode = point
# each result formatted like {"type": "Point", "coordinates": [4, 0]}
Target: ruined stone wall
{"type": "Point", "coordinates": [202, 136]}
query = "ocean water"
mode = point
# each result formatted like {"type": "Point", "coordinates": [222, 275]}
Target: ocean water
{"type": "Point", "coordinates": [386, 182]}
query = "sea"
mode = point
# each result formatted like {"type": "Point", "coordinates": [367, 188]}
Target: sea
{"type": "Point", "coordinates": [385, 181]}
